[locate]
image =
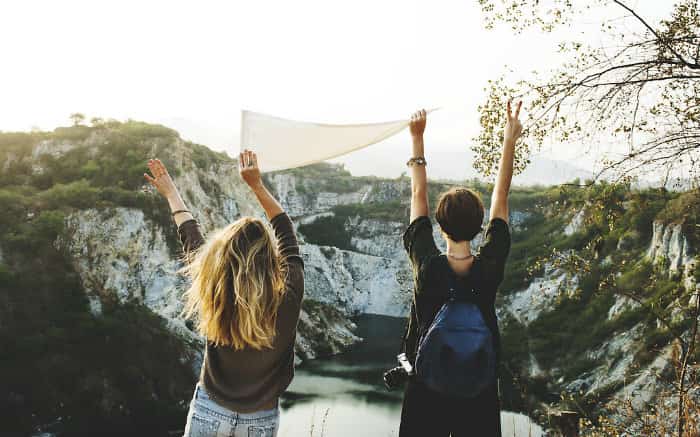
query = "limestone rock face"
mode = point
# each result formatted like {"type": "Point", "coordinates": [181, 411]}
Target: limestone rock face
{"type": "Point", "coordinates": [323, 330]}
{"type": "Point", "coordinates": [516, 219]}
{"type": "Point", "coordinates": [284, 186]}
{"type": "Point", "coordinates": [647, 385]}
{"type": "Point", "coordinates": [575, 224]}
{"type": "Point", "coordinates": [540, 295]}
{"type": "Point", "coordinates": [357, 282]}
{"type": "Point", "coordinates": [616, 356]}
{"type": "Point", "coordinates": [671, 247]}
{"type": "Point", "coordinates": [377, 237]}
{"type": "Point", "coordinates": [52, 147]}
{"type": "Point", "coordinates": [122, 255]}
{"type": "Point", "coordinates": [387, 191]}
{"type": "Point", "coordinates": [299, 199]}
{"type": "Point", "coordinates": [639, 386]}
{"type": "Point", "coordinates": [622, 304]}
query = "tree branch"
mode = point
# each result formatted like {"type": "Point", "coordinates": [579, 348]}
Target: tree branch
{"type": "Point", "coordinates": [662, 40]}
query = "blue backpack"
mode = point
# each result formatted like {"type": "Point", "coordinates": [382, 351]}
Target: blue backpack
{"type": "Point", "coordinates": [456, 356]}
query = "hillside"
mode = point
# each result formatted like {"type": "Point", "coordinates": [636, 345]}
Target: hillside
{"type": "Point", "coordinates": [89, 291]}
{"type": "Point", "coordinates": [599, 284]}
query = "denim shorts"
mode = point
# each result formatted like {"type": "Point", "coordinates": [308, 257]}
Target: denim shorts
{"type": "Point", "coordinates": [206, 418]}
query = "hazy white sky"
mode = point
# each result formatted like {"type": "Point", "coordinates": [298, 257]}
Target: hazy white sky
{"type": "Point", "coordinates": [194, 65]}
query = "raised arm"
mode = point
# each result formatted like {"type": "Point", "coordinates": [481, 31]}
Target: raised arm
{"type": "Point", "coordinates": [162, 181]}
{"type": "Point", "coordinates": [250, 173]}
{"type": "Point", "coordinates": [419, 182]}
{"type": "Point", "coordinates": [281, 223]}
{"type": "Point", "coordinates": [187, 227]}
{"type": "Point", "coordinates": [512, 131]}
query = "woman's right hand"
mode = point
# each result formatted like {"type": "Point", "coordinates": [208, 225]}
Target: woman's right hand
{"type": "Point", "coordinates": [248, 169]}
{"type": "Point", "coordinates": [161, 179]}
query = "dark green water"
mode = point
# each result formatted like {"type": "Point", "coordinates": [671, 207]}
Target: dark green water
{"type": "Point", "coordinates": [344, 395]}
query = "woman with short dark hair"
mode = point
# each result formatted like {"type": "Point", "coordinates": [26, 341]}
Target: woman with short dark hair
{"type": "Point", "coordinates": [460, 213]}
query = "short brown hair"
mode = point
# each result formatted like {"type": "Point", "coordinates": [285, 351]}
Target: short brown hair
{"type": "Point", "coordinates": [460, 214]}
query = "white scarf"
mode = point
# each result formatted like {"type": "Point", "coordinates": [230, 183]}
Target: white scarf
{"type": "Point", "coordinates": [281, 144]}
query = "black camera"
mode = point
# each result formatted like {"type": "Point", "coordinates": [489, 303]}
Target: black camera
{"type": "Point", "coordinates": [396, 377]}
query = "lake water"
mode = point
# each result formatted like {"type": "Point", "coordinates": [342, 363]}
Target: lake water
{"type": "Point", "coordinates": [344, 396]}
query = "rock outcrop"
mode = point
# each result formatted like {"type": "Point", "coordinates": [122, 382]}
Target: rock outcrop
{"type": "Point", "coordinates": [323, 330]}
{"type": "Point", "coordinates": [670, 248]}
{"type": "Point", "coordinates": [576, 223]}
{"type": "Point", "coordinates": [122, 255]}
{"type": "Point", "coordinates": [615, 370]}
{"type": "Point", "coordinates": [357, 282]}
{"type": "Point", "coordinates": [300, 199]}
{"type": "Point", "coordinates": [540, 295]}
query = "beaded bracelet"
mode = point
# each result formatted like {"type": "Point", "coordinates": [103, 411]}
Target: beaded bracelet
{"type": "Point", "coordinates": [416, 161]}
{"type": "Point", "coordinates": [174, 213]}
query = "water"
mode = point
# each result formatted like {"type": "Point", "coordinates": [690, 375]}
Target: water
{"type": "Point", "coordinates": [344, 395]}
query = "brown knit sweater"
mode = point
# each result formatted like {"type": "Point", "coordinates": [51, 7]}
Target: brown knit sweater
{"type": "Point", "coordinates": [246, 380]}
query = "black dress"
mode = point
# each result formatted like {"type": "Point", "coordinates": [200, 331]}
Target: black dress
{"type": "Point", "coordinates": [426, 412]}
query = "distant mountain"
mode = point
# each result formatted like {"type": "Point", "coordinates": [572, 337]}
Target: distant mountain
{"type": "Point", "coordinates": [455, 165]}
{"type": "Point", "coordinates": [543, 171]}
{"type": "Point", "coordinates": [672, 184]}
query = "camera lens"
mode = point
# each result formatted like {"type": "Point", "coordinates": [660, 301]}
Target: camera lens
{"type": "Point", "coordinates": [395, 377]}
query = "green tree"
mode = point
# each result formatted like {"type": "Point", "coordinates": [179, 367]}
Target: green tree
{"type": "Point", "coordinates": [644, 88]}
{"type": "Point", "coordinates": [77, 118]}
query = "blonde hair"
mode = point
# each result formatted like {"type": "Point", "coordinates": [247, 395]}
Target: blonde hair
{"type": "Point", "coordinates": [237, 286]}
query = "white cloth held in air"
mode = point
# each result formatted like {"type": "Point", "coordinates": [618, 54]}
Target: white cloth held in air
{"type": "Point", "coordinates": [281, 144]}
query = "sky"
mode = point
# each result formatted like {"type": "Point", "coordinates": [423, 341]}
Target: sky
{"type": "Point", "coordinates": [194, 65]}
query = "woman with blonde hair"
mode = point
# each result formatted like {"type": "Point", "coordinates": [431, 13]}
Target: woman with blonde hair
{"type": "Point", "coordinates": [246, 290]}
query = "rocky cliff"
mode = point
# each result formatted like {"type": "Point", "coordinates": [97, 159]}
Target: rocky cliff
{"type": "Point", "coordinates": [603, 331]}
{"type": "Point", "coordinates": [77, 196]}
{"type": "Point", "coordinates": [123, 255]}
{"type": "Point", "coordinates": [371, 274]}
{"type": "Point", "coordinates": [567, 322]}
{"type": "Point", "coordinates": [670, 247]}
